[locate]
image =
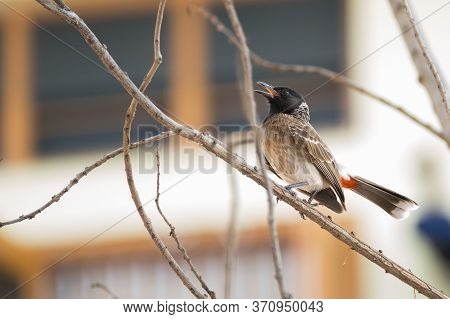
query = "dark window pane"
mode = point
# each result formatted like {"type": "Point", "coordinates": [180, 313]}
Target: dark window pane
{"type": "Point", "coordinates": [62, 72]}
{"type": "Point", "coordinates": [296, 32]}
{"type": "Point", "coordinates": [80, 105]}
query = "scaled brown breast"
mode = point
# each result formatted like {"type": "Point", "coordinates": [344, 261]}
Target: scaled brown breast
{"type": "Point", "coordinates": [293, 137]}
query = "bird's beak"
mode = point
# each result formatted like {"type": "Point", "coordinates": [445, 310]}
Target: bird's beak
{"type": "Point", "coordinates": [269, 92]}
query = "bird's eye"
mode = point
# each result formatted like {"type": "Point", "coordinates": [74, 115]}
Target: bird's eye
{"type": "Point", "coordinates": [285, 93]}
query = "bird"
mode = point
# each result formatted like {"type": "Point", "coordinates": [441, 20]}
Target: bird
{"type": "Point", "coordinates": [296, 153]}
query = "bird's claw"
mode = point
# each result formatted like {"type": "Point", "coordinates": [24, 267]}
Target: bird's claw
{"type": "Point", "coordinates": [290, 191]}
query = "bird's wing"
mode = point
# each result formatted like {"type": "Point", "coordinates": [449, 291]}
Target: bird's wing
{"type": "Point", "coordinates": [317, 152]}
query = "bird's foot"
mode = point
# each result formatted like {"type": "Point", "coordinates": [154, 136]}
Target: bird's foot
{"type": "Point", "coordinates": [290, 191]}
{"type": "Point", "coordinates": [290, 188]}
{"type": "Point", "coordinates": [295, 185]}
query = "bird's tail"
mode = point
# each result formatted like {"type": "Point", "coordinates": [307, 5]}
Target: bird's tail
{"type": "Point", "coordinates": [396, 205]}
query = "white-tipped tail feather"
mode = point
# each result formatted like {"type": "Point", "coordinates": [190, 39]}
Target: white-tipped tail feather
{"type": "Point", "coordinates": [396, 205]}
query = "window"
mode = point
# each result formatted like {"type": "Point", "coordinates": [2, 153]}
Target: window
{"type": "Point", "coordinates": [296, 32]}
{"type": "Point", "coordinates": [136, 269]}
{"type": "Point", "coordinates": [80, 105]}
{"type": "Point", "coordinates": [141, 276]}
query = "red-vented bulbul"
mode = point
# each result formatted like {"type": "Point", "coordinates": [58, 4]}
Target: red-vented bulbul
{"type": "Point", "coordinates": [296, 153]}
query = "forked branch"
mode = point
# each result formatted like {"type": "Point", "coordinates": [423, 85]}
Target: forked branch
{"type": "Point", "coordinates": [429, 76]}
{"type": "Point", "coordinates": [250, 105]}
{"type": "Point", "coordinates": [217, 148]}
{"type": "Point", "coordinates": [313, 69]}
{"type": "Point", "coordinates": [55, 198]}
{"type": "Point", "coordinates": [129, 117]}
{"type": "Point", "coordinates": [173, 233]}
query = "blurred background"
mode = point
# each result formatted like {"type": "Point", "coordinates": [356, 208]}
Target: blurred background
{"type": "Point", "coordinates": [60, 112]}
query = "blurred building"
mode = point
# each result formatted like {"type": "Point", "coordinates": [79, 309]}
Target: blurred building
{"type": "Point", "coordinates": [61, 111]}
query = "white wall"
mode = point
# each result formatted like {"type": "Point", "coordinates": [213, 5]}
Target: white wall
{"type": "Point", "coordinates": [389, 148]}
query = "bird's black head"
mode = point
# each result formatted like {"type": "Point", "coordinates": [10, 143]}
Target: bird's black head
{"type": "Point", "coordinates": [284, 100]}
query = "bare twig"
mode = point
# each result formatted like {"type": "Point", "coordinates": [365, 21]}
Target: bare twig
{"type": "Point", "coordinates": [233, 140]}
{"type": "Point", "coordinates": [55, 198]}
{"type": "Point", "coordinates": [173, 233]}
{"type": "Point", "coordinates": [249, 102]}
{"type": "Point", "coordinates": [312, 69]}
{"type": "Point", "coordinates": [217, 148]}
{"type": "Point", "coordinates": [129, 117]}
{"type": "Point", "coordinates": [428, 74]}
{"type": "Point", "coordinates": [99, 285]}
{"type": "Point", "coordinates": [232, 233]}
{"type": "Point", "coordinates": [231, 239]}
{"type": "Point", "coordinates": [248, 138]}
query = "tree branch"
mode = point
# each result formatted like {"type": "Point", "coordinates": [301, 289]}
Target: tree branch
{"type": "Point", "coordinates": [233, 140]}
{"type": "Point", "coordinates": [232, 233]}
{"type": "Point", "coordinates": [250, 107]}
{"type": "Point", "coordinates": [76, 179]}
{"type": "Point", "coordinates": [428, 74]}
{"type": "Point", "coordinates": [173, 234]}
{"type": "Point", "coordinates": [217, 148]}
{"type": "Point", "coordinates": [129, 117]}
{"type": "Point", "coordinates": [312, 69]}
{"type": "Point", "coordinates": [55, 198]}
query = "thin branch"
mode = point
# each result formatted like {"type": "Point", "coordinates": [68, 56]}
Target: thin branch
{"type": "Point", "coordinates": [249, 102]}
{"type": "Point", "coordinates": [312, 69]}
{"type": "Point", "coordinates": [173, 234]}
{"type": "Point", "coordinates": [233, 140]}
{"type": "Point", "coordinates": [55, 198]}
{"type": "Point", "coordinates": [217, 148]}
{"type": "Point", "coordinates": [248, 138]}
{"type": "Point", "coordinates": [129, 117]}
{"type": "Point", "coordinates": [428, 74]}
{"type": "Point", "coordinates": [103, 287]}
{"type": "Point", "coordinates": [232, 233]}
{"type": "Point", "coordinates": [231, 239]}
